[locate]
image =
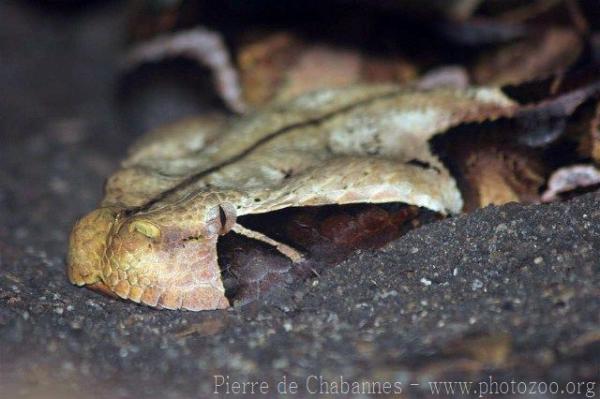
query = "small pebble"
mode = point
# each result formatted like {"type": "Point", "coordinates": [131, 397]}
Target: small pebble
{"type": "Point", "coordinates": [477, 284]}
{"type": "Point", "coordinates": [280, 363]}
{"type": "Point", "coordinates": [287, 326]}
{"type": "Point", "coordinates": [501, 227]}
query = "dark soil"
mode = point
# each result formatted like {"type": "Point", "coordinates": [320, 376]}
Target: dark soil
{"type": "Point", "coordinates": [507, 293]}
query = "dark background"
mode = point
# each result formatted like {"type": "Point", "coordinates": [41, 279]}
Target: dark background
{"type": "Point", "coordinates": [510, 292]}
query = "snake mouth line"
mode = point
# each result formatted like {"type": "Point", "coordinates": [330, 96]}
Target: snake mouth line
{"type": "Point", "coordinates": [103, 289]}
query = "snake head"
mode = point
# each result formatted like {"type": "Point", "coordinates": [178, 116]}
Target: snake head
{"type": "Point", "coordinates": [162, 259]}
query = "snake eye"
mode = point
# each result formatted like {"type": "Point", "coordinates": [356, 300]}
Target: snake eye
{"type": "Point", "coordinates": [220, 219]}
{"type": "Point", "coordinates": [227, 217]}
{"type": "Point", "coordinates": [146, 228]}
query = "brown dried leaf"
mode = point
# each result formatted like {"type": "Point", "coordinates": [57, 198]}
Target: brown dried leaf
{"type": "Point", "coordinates": [589, 145]}
{"type": "Point", "coordinates": [496, 175]}
{"type": "Point", "coordinates": [211, 326]}
{"type": "Point", "coordinates": [262, 64]}
{"type": "Point", "coordinates": [534, 57]}
{"type": "Point", "coordinates": [282, 66]}
{"type": "Point", "coordinates": [491, 350]}
{"type": "Point", "coordinates": [320, 66]}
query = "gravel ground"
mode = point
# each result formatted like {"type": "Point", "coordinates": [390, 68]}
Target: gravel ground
{"type": "Point", "coordinates": [504, 294]}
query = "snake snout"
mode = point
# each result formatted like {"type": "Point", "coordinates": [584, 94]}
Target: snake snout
{"type": "Point", "coordinates": [87, 246]}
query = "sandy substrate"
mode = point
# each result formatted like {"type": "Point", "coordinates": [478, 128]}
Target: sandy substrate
{"type": "Point", "coordinates": [504, 294]}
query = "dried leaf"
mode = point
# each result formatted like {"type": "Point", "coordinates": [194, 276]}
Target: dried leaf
{"type": "Point", "coordinates": [571, 178]}
{"type": "Point", "coordinates": [205, 328]}
{"type": "Point", "coordinates": [589, 145]}
{"type": "Point", "coordinates": [534, 57]}
{"type": "Point", "coordinates": [201, 45]}
{"type": "Point", "coordinates": [263, 64]}
{"type": "Point", "coordinates": [282, 66]}
{"type": "Point", "coordinates": [493, 175]}
{"type": "Point", "coordinates": [539, 124]}
{"type": "Point", "coordinates": [492, 350]}
{"type": "Point", "coordinates": [448, 76]}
